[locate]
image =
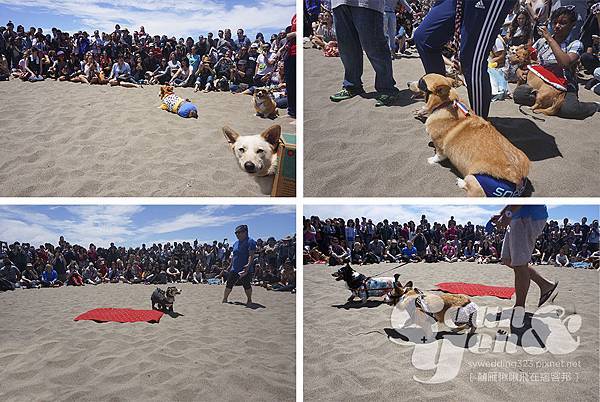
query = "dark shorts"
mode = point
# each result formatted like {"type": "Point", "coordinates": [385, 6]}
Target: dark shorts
{"type": "Point", "coordinates": [232, 280]}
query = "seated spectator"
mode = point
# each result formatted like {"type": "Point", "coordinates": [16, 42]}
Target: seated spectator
{"type": "Point", "coordinates": [374, 255]}
{"type": "Point", "coordinates": [30, 278]}
{"type": "Point", "coordinates": [10, 275]}
{"type": "Point", "coordinates": [337, 253]}
{"type": "Point", "coordinates": [90, 275]}
{"type": "Point", "coordinates": [409, 253]}
{"type": "Point", "coordinates": [50, 278]}
{"type": "Point", "coordinates": [561, 259]}
{"type": "Point", "coordinates": [560, 57]}
{"type": "Point", "coordinates": [449, 252]}
{"type": "Point", "coordinates": [173, 274]}
{"type": "Point", "coordinates": [393, 253]}
{"type": "Point", "coordinates": [121, 74]}
{"type": "Point", "coordinates": [469, 253]}
{"type": "Point", "coordinates": [74, 278]}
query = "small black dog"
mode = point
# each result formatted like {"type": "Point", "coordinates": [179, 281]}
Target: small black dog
{"type": "Point", "coordinates": [163, 299]}
{"type": "Point", "coordinates": [362, 286]}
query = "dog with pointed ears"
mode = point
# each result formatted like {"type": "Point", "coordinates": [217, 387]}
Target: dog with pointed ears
{"type": "Point", "coordinates": [490, 164]}
{"type": "Point", "coordinates": [256, 154]}
{"type": "Point", "coordinates": [362, 286]}
{"type": "Point", "coordinates": [425, 309]}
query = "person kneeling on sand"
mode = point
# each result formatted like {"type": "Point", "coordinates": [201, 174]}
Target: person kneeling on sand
{"type": "Point", "coordinates": [525, 223]}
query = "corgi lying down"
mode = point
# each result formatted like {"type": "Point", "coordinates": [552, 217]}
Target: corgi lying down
{"type": "Point", "coordinates": [490, 164]}
{"type": "Point", "coordinates": [176, 104]}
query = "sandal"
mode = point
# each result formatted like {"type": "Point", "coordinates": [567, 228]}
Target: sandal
{"type": "Point", "coordinates": [544, 297]}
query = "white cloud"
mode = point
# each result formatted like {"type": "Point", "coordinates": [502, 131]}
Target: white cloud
{"type": "Point", "coordinates": [100, 224]}
{"type": "Point", "coordinates": [168, 17]}
{"type": "Point", "coordinates": [103, 224]}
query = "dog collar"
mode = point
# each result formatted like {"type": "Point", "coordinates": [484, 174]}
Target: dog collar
{"type": "Point", "coordinates": [455, 104]}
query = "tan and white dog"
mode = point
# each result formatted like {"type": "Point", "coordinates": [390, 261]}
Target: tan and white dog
{"type": "Point", "coordinates": [256, 154]}
{"type": "Point", "coordinates": [264, 104]}
{"type": "Point", "coordinates": [457, 312]}
{"type": "Point", "coordinates": [490, 164]}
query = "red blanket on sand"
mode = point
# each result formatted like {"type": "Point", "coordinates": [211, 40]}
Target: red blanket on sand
{"type": "Point", "coordinates": [476, 289]}
{"type": "Point", "coordinates": [120, 315]}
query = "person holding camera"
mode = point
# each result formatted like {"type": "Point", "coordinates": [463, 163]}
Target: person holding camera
{"type": "Point", "coordinates": [558, 55]}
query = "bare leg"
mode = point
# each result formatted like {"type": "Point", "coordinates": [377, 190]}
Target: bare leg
{"type": "Point", "coordinates": [249, 296]}
{"type": "Point", "coordinates": [129, 85]}
{"type": "Point", "coordinates": [226, 294]}
{"type": "Point", "coordinates": [524, 274]}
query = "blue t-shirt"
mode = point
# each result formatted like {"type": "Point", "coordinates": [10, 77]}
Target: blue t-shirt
{"type": "Point", "coordinates": [49, 277]}
{"type": "Point", "coordinates": [409, 251]}
{"type": "Point", "coordinates": [534, 212]}
{"type": "Point", "coordinates": [241, 252]}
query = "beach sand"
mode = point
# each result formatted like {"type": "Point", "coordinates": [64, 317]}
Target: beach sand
{"type": "Point", "coordinates": [211, 352]}
{"type": "Point", "coordinates": [354, 149]}
{"type": "Point", "coordinates": [67, 139]}
{"type": "Point", "coordinates": [345, 359]}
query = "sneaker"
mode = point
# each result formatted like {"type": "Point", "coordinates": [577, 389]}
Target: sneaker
{"type": "Point", "coordinates": [386, 99]}
{"type": "Point", "coordinates": [345, 93]}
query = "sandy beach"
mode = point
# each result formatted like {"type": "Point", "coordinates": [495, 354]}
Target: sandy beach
{"type": "Point", "coordinates": [212, 351]}
{"type": "Point", "coordinates": [67, 139]}
{"type": "Point", "coordinates": [354, 149]}
{"type": "Point", "coordinates": [348, 356]}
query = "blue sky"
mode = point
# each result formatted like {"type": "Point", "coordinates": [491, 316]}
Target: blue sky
{"type": "Point", "coordinates": [180, 18]}
{"type": "Point", "coordinates": [132, 225]}
{"type": "Point", "coordinates": [477, 214]}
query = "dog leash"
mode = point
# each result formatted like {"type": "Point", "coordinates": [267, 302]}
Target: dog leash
{"type": "Point", "coordinates": [530, 115]}
{"type": "Point", "coordinates": [391, 269]}
{"type": "Point", "coordinates": [455, 44]}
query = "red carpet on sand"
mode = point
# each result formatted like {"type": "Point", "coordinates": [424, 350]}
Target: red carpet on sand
{"type": "Point", "coordinates": [476, 289]}
{"type": "Point", "coordinates": [120, 315]}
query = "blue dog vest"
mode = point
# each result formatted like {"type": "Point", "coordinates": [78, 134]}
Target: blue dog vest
{"type": "Point", "coordinates": [498, 188]}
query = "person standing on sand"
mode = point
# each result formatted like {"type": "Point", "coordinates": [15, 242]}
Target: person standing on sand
{"type": "Point", "coordinates": [480, 24]}
{"type": "Point", "coordinates": [359, 26]}
{"type": "Point", "coordinates": [525, 223]}
{"type": "Point", "coordinates": [242, 264]}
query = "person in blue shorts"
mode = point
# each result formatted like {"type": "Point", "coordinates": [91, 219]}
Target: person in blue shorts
{"type": "Point", "coordinates": [525, 223]}
{"type": "Point", "coordinates": [242, 266]}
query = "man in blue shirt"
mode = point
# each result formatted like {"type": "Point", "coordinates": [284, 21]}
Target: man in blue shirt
{"type": "Point", "coordinates": [525, 223]}
{"type": "Point", "coordinates": [409, 253]}
{"type": "Point", "coordinates": [242, 265]}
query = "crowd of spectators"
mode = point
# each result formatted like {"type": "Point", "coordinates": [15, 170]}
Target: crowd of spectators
{"type": "Point", "coordinates": [361, 241]}
{"type": "Point", "coordinates": [521, 28]}
{"type": "Point", "coordinates": [26, 266]}
{"type": "Point", "coordinates": [131, 59]}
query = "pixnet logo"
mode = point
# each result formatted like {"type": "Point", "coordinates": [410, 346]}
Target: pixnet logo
{"type": "Point", "coordinates": [548, 330]}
